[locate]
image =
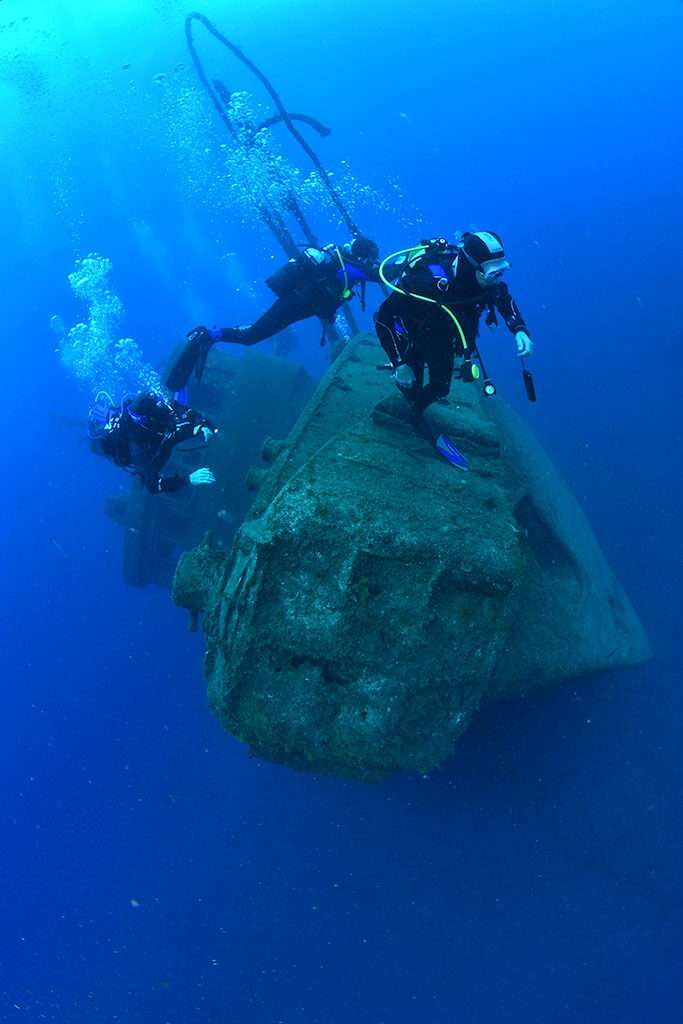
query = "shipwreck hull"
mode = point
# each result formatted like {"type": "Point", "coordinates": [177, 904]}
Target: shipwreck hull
{"type": "Point", "coordinates": [376, 595]}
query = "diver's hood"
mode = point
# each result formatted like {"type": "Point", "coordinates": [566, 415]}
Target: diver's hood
{"type": "Point", "coordinates": [362, 251]}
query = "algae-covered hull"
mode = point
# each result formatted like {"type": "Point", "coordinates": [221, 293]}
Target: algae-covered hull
{"type": "Point", "coordinates": [375, 594]}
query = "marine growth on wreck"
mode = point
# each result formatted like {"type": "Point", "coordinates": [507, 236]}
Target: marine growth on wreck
{"type": "Point", "coordinates": [372, 599]}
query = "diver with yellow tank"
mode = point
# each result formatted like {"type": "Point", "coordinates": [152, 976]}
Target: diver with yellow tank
{"type": "Point", "coordinates": [431, 318]}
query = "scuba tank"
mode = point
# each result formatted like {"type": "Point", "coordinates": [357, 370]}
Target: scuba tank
{"type": "Point", "coordinates": [289, 277]}
{"type": "Point", "coordinates": [300, 272]}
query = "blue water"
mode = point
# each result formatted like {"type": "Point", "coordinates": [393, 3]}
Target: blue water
{"type": "Point", "coordinates": [149, 870]}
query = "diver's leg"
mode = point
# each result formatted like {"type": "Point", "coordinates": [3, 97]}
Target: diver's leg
{"type": "Point", "coordinates": [284, 312]}
{"type": "Point", "coordinates": [439, 359]}
{"type": "Point", "coordinates": [390, 329]}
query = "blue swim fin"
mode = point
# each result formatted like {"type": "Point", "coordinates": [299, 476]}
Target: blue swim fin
{"type": "Point", "coordinates": [182, 397]}
{"type": "Point", "coordinates": [448, 451]}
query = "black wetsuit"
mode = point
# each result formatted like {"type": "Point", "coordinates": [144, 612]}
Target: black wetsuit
{"type": "Point", "coordinates": [421, 334]}
{"type": "Point", "coordinates": [142, 435]}
{"type": "Point", "coordinates": [285, 311]}
{"type": "Point", "coordinates": [315, 284]}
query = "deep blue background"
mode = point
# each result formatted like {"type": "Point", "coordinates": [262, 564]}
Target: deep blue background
{"type": "Point", "coordinates": [537, 877]}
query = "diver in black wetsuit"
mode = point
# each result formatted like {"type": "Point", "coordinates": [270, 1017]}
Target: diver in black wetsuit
{"type": "Point", "coordinates": [466, 279]}
{"type": "Point", "coordinates": [316, 283]}
{"type": "Point", "coordinates": [140, 434]}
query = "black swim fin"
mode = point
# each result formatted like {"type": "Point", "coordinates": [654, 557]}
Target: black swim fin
{"type": "Point", "coordinates": [191, 360]}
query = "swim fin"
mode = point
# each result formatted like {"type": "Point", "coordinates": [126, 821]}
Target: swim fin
{"type": "Point", "coordinates": [191, 360]}
{"type": "Point", "coordinates": [204, 349]}
{"type": "Point", "coordinates": [448, 451]}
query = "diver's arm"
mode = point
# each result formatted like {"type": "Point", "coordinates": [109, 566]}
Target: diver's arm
{"type": "Point", "coordinates": [156, 484]}
{"type": "Point", "coordinates": [391, 271]}
{"type": "Point", "coordinates": [168, 484]}
{"type": "Point", "coordinates": [151, 474]}
{"type": "Point", "coordinates": [184, 430]}
{"type": "Point", "coordinates": [189, 423]}
{"type": "Point", "coordinates": [514, 320]}
{"type": "Point", "coordinates": [509, 310]}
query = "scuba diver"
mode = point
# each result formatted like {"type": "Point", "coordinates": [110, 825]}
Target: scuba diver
{"type": "Point", "coordinates": [315, 283]}
{"type": "Point", "coordinates": [433, 315]}
{"type": "Point", "coordinates": [140, 434]}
